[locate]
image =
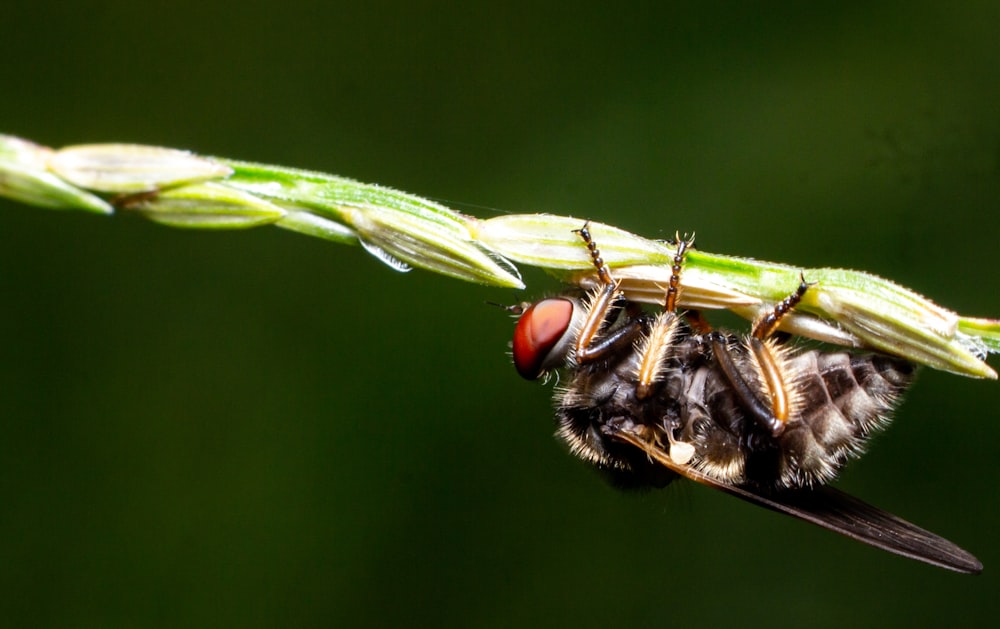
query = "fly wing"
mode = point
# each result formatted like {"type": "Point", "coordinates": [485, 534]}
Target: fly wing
{"type": "Point", "coordinates": [842, 513]}
{"type": "Point", "coordinates": [830, 509]}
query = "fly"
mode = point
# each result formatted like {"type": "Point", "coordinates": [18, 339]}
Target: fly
{"type": "Point", "coordinates": [652, 397]}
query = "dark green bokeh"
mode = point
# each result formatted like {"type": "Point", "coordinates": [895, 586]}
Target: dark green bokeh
{"type": "Point", "coordinates": [258, 428]}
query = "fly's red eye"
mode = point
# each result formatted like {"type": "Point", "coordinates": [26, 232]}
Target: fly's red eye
{"type": "Point", "coordinates": [538, 331]}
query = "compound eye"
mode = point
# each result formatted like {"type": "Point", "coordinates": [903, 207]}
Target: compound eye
{"type": "Point", "coordinates": [539, 330]}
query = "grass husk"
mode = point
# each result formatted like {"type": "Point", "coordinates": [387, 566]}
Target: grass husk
{"type": "Point", "coordinates": [181, 189]}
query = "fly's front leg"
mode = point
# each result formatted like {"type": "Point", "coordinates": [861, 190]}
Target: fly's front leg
{"type": "Point", "coordinates": [604, 305]}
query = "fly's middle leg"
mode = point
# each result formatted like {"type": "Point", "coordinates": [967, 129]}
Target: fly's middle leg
{"type": "Point", "coordinates": [658, 344]}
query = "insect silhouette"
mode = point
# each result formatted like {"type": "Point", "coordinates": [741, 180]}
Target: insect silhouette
{"type": "Point", "coordinates": [648, 398]}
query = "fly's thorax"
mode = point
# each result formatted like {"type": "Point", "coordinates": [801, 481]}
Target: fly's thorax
{"type": "Point", "coordinates": [595, 397]}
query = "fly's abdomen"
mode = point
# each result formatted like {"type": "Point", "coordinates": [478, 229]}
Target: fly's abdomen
{"type": "Point", "coordinates": [844, 400]}
{"type": "Point", "coordinates": [841, 400]}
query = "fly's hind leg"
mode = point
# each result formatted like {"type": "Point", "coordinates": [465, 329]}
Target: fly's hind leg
{"type": "Point", "coordinates": [767, 326]}
{"type": "Point", "coordinates": [770, 366]}
{"type": "Point", "coordinates": [774, 413]}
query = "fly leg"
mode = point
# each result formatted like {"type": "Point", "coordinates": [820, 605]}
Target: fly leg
{"type": "Point", "coordinates": [658, 344]}
{"type": "Point", "coordinates": [770, 366]}
{"type": "Point", "coordinates": [772, 414]}
{"type": "Point", "coordinates": [655, 350]}
{"type": "Point", "coordinates": [605, 303]}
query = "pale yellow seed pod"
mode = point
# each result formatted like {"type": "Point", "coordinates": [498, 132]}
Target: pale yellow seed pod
{"type": "Point", "coordinates": [132, 168]}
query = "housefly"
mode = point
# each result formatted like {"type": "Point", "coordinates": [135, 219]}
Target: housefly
{"type": "Point", "coordinates": [650, 397]}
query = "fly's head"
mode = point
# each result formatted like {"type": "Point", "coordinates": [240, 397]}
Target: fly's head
{"type": "Point", "coordinates": [545, 335]}
{"type": "Point", "coordinates": [596, 394]}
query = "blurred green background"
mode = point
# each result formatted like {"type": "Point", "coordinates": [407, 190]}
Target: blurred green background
{"type": "Point", "coordinates": [261, 429]}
